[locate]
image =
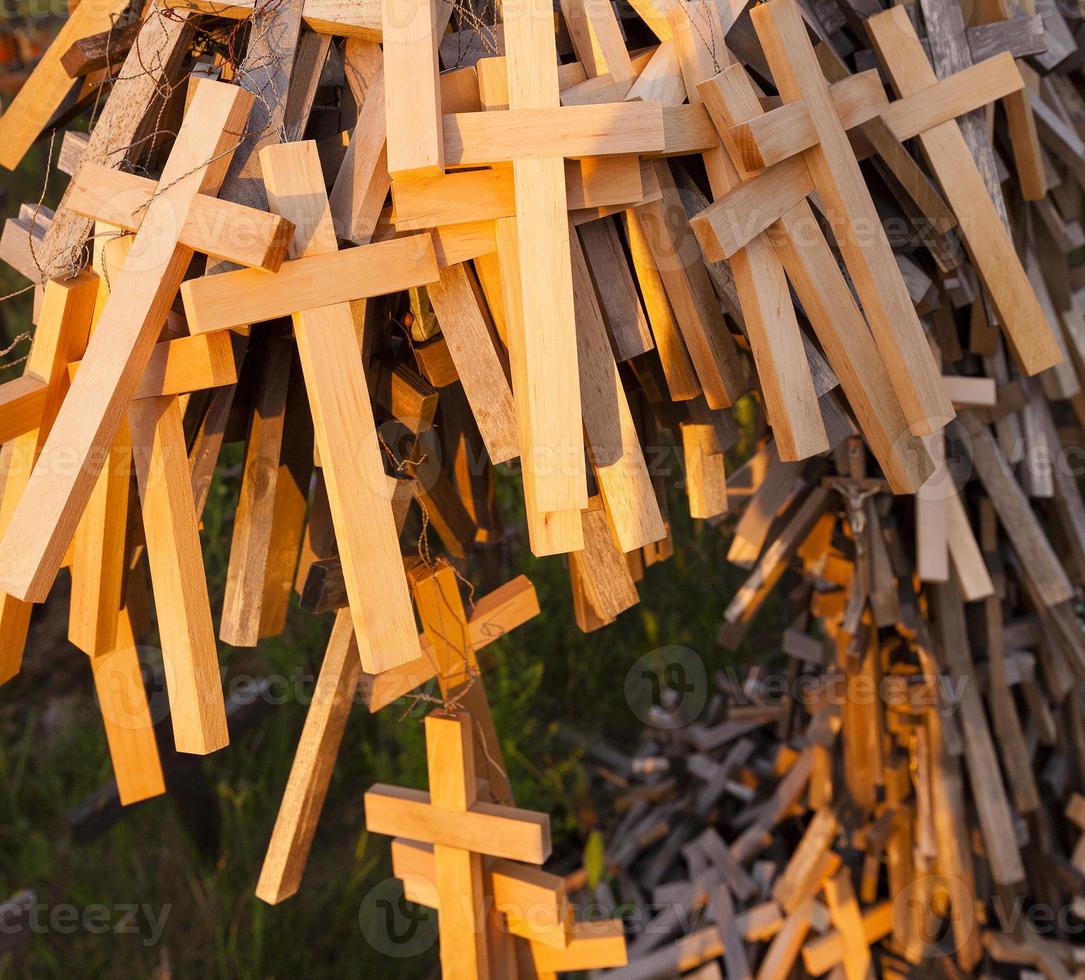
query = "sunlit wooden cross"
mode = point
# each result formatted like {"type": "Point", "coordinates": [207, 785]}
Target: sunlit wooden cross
{"type": "Point", "coordinates": [531, 905]}
{"type": "Point", "coordinates": [494, 615]}
{"type": "Point", "coordinates": [805, 130]}
{"type": "Point", "coordinates": [131, 320]}
{"type": "Point", "coordinates": [535, 133]}
{"type": "Point", "coordinates": [986, 237]}
{"type": "Point", "coordinates": [463, 831]}
{"type": "Point", "coordinates": [833, 170]}
{"type": "Point", "coordinates": [781, 225]}
{"type": "Point", "coordinates": [316, 287]}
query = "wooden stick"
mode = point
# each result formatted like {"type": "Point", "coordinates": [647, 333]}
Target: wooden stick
{"type": "Point", "coordinates": [34, 544]}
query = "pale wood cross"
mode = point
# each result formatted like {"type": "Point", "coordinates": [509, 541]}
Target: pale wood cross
{"type": "Point", "coordinates": [493, 616]}
{"type": "Point", "coordinates": [42, 525]}
{"type": "Point", "coordinates": [535, 133]}
{"type": "Point", "coordinates": [316, 287]}
{"type": "Point", "coordinates": [785, 219]}
{"type": "Point", "coordinates": [847, 204]}
{"type": "Point", "coordinates": [463, 830]}
{"type": "Point", "coordinates": [927, 106]}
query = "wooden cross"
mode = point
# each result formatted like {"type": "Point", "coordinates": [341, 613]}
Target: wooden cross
{"type": "Point", "coordinates": [848, 206]}
{"type": "Point", "coordinates": [316, 287]}
{"type": "Point", "coordinates": [494, 615]}
{"type": "Point", "coordinates": [986, 237]}
{"type": "Point", "coordinates": [927, 108]}
{"type": "Point", "coordinates": [535, 133]}
{"type": "Point", "coordinates": [813, 272]}
{"type": "Point", "coordinates": [37, 536]}
{"type": "Point", "coordinates": [462, 831]}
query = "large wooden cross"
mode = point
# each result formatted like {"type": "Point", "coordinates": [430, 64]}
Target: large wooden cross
{"type": "Point", "coordinates": [494, 615]}
{"type": "Point", "coordinates": [927, 109]}
{"type": "Point", "coordinates": [527, 126]}
{"type": "Point", "coordinates": [850, 211]}
{"type": "Point", "coordinates": [42, 525]}
{"type": "Point", "coordinates": [785, 215]}
{"type": "Point", "coordinates": [462, 831]}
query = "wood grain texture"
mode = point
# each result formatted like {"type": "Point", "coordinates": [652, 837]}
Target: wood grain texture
{"type": "Point", "coordinates": [310, 772]}
{"type": "Point", "coordinates": [988, 242]}
{"type": "Point", "coordinates": [614, 446]}
{"type": "Point", "coordinates": [159, 47]}
{"type": "Point", "coordinates": [346, 433]}
{"type": "Point", "coordinates": [855, 223]}
{"type": "Point", "coordinates": [468, 329]}
{"type": "Point", "coordinates": [216, 227]}
{"type": "Point", "coordinates": [245, 296]}
{"type": "Point", "coordinates": [182, 604]}
{"type": "Point", "coordinates": [412, 93]}
{"type": "Point", "coordinates": [34, 544]}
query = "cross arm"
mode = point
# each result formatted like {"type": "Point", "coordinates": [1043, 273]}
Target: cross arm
{"type": "Point", "coordinates": [244, 296]}
{"type": "Point", "coordinates": [214, 226]}
{"type": "Point", "coordinates": [472, 138]}
{"type": "Point", "coordinates": [496, 614]}
{"type": "Point", "coordinates": [484, 828]}
{"type": "Point", "coordinates": [343, 18]}
{"type": "Point", "coordinates": [22, 401]}
{"type": "Point", "coordinates": [533, 901]}
{"type": "Point", "coordinates": [788, 129]}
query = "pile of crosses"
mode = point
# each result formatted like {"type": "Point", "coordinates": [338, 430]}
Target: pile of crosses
{"type": "Point", "coordinates": [391, 245]}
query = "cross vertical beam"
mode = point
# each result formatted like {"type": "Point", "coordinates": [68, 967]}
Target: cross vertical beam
{"type": "Point", "coordinates": [981, 224]}
{"type": "Point", "coordinates": [550, 401]}
{"type": "Point", "coordinates": [346, 433]}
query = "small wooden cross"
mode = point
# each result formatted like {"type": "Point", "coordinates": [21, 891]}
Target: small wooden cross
{"type": "Point", "coordinates": [38, 534]}
{"type": "Point", "coordinates": [494, 615]}
{"type": "Point", "coordinates": [462, 831]}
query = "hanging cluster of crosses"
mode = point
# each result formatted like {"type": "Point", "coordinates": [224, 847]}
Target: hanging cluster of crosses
{"type": "Point", "coordinates": [498, 174]}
